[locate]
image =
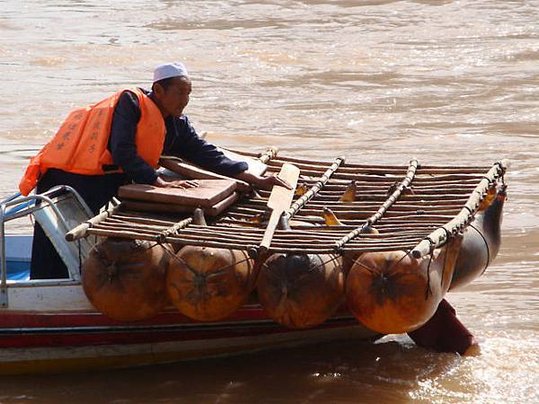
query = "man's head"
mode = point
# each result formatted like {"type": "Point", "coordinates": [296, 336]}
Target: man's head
{"type": "Point", "coordinates": [171, 88]}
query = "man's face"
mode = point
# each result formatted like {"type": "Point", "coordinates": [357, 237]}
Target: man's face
{"type": "Point", "coordinates": [176, 97]}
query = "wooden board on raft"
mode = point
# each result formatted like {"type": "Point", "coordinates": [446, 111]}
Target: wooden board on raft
{"type": "Point", "coordinates": [255, 166]}
{"type": "Point", "coordinates": [191, 171]}
{"type": "Point", "coordinates": [206, 195]}
{"type": "Point", "coordinates": [214, 210]}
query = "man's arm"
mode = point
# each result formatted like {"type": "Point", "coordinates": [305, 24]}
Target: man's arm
{"type": "Point", "coordinates": [183, 141]}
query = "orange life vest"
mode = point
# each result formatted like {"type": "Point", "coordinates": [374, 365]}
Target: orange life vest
{"type": "Point", "coordinates": [80, 145]}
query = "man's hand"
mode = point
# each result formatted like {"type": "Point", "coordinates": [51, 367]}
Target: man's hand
{"type": "Point", "coordinates": [269, 181]}
{"type": "Point", "coordinates": [263, 182]}
{"type": "Point", "coordinates": [182, 184]}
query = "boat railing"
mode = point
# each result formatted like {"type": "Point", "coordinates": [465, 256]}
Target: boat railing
{"type": "Point", "coordinates": [46, 209]}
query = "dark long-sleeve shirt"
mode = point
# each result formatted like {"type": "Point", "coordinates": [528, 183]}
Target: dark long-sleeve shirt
{"type": "Point", "coordinates": [181, 140]}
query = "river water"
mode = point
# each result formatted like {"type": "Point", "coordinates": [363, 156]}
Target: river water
{"type": "Point", "coordinates": [380, 81]}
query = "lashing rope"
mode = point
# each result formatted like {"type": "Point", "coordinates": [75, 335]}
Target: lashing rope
{"type": "Point", "coordinates": [448, 235]}
{"type": "Point", "coordinates": [429, 291]}
{"type": "Point", "coordinates": [222, 269]}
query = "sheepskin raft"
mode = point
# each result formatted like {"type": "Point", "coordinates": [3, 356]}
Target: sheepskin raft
{"type": "Point", "coordinates": [386, 241]}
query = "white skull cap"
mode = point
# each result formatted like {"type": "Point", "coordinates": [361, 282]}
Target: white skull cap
{"type": "Point", "coordinates": [168, 70]}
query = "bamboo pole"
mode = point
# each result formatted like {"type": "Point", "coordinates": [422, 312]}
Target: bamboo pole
{"type": "Point", "coordinates": [336, 190]}
{"type": "Point", "coordinates": [287, 245]}
{"type": "Point", "coordinates": [383, 169]}
{"type": "Point", "coordinates": [81, 230]}
{"type": "Point", "coordinates": [426, 168]}
{"type": "Point", "coordinates": [121, 234]}
{"type": "Point", "coordinates": [135, 218]}
{"type": "Point", "coordinates": [280, 247]}
{"type": "Point", "coordinates": [336, 184]}
{"type": "Point", "coordinates": [382, 195]}
{"type": "Point", "coordinates": [161, 237]}
{"type": "Point", "coordinates": [253, 235]}
{"type": "Point", "coordinates": [268, 155]}
{"type": "Point", "coordinates": [311, 193]}
{"type": "Point", "coordinates": [339, 231]}
{"type": "Point", "coordinates": [360, 205]}
{"type": "Point", "coordinates": [156, 233]}
{"type": "Point", "coordinates": [395, 212]}
{"type": "Point", "coordinates": [129, 227]}
{"type": "Point", "coordinates": [441, 235]}
{"type": "Point", "coordinates": [390, 218]}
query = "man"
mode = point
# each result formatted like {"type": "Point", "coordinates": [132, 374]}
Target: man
{"type": "Point", "coordinates": [101, 147]}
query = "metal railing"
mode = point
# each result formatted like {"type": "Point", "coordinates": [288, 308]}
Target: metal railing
{"type": "Point", "coordinates": [17, 206]}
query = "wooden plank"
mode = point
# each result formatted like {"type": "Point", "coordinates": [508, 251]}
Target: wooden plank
{"type": "Point", "coordinates": [190, 171]}
{"type": "Point", "coordinates": [214, 210]}
{"type": "Point", "coordinates": [206, 195]}
{"type": "Point", "coordinates": [255, 166]}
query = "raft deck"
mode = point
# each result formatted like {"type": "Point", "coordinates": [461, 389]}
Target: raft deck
{"type": "Point", "coordinates": [414, 208]}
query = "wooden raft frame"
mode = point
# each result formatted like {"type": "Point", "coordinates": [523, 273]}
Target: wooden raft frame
{"type": "Point", "coordinates": [415, 208]}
